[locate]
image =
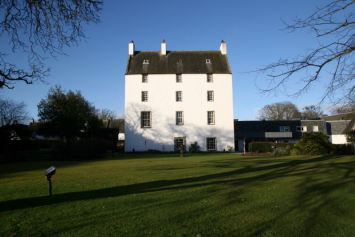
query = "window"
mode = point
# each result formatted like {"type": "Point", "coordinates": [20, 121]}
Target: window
{"type": "Point", "coordinates": [179, 96]}
{"type": "Point", "coordinates": [178, 78]}
{"type": "Point", "coordinates": [209, 95]}
{"type": "Point", "coordinates": [179, 143]}
{"type": "Point", "coordinates": [315, 128]}
{"type": "Point", "coordinates": [179, 118]}
{"type": "Point", "coordinates": [146, 119]}
{"type": "Point", "coordinates": [144, 78]}
{"type": "Point", "coordinates": [301, 128]}
{"type": "Point", "coordinates": [210, 117]}
{"type": "Point", "coordinates": [284, 128]}
{"type": "Point", "coordinates": [208, 61]}
{"type": "Point", "coordinates": [145, 61]}
{"type": "Point", "coordinates": [144, 96]}
{"type": "Point", "coordinates": [209, 78]}
{"type": "Point", "coordinates": [211, 143]}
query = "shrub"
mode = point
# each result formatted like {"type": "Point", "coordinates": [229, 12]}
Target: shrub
{"type": "Point", "coordinates": [281, 151]}
{"type": "Point", "coordinates": [350, 136]}
{"type": "Point", "coordinates": [229, 148]}
{"type": "Point", "coordinates": [290, 146]}
{"type": "Point", "coordinates": [260, 147]}
{"type": "Point", "coordinates": [194, 147]}
{"type": "Point", "coordinates": [314, 143]}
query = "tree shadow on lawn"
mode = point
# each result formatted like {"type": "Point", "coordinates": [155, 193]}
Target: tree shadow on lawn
{"type": "Point", "coordinates": [41, 166]}
{"type": "Point", "coordinates": [290, 167]}
{"type": "Point", "coordinates": [320, 201]}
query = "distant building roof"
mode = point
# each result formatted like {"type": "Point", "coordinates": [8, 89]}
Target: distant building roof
{"type": "Point", "coordinates": [271, 128]}
{"type": "Point", "coordinates": [345, 116]}
{"type": "Point", "coordinates": [115, 123]}
{"type": "Point", "coordinates": [177, 62]}
{"type": "Point", "coordinates": [337, 127]}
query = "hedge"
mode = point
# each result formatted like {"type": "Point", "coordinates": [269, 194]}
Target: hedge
{"type": "Point", "coordinates": [265, 147]}
{"type": "Point", "coordinates": [342, 149]}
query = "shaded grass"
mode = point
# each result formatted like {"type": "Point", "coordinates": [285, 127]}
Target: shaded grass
{"type": "Point", "coordinates": [165, 195]}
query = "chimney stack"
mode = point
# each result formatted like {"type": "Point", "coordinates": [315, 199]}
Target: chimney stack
{"type": "Point", "coordinates": [163, 48]}
{"type": "Point", "coordinates": [131, 48]}
{"type": "Point", "coordinates": [223, 48]}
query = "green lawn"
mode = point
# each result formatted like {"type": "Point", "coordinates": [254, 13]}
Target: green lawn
{"type": "Point", "coordinates": [166, 195]}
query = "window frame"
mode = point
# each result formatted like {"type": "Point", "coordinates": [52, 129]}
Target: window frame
{"type": "Point", "coordinates": [208, 96]}
{"type": "Point", "coordinates": [145, 119]}
{"type": "Point", "coordinates": [315, 128]}
{"type": "Point", "coordinates": [144, 98]}
{"type": "Point", "coordinates": [208, 144]}
{"type": "Point", "coordinates": [178, 96]}
{"type": "Point", "coordinates": [179, 120]}
{"type": "Point", "coordinates": [144, 78]}
{"type": "Point", "coordinates": [209, 120]}
{"type": "Point", "coordinates": [301, 129]}
{"type": "Point", "coordinates": [145, 61]}
{"type": "Point", "coordinates": [209, 78]}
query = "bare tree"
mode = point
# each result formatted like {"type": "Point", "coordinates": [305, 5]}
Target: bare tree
{"type": "Point", "coordinates": [105, 114]}
{"type": "Point", "coordinates": [333, 21]}
{"type": "Point", "coordinates": [11, 111]}
{"type": "Point", "coordinates": [279, 111]}
{"type": "Point", "coordinates": [38, 27]}
{"type": "Point", "coordinates": [343, 108]}
{"type": "Point", "coordinates": [311, 112]}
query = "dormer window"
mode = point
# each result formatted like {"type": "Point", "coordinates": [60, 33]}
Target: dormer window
{"type": "Point", "coordinates": [208, 61]}
{"type": "Point", "coordinates": [209, 78]}
{"type": "Point", "coordinates": [145, 78]}
{"type": "Point", "coordinates": [178, 78]}
{"type": "Point", "coordinates": [145, 61]}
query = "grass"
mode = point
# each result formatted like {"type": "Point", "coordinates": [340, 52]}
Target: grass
{"type": "Point", "coordinates": [166, 195]}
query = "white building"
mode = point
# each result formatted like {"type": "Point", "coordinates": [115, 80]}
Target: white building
{"type": "Point", "coordinates": [175, 98]}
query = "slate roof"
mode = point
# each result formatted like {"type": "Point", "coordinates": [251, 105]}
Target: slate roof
{"type": "Point", "coordinates": [337, 127]}
{"type": "Point", "coordinates": [345, 126]}
{"type": "Point", "coordinates": [178, 62]}
{"type": "Point", "coordinates": [345, 116]}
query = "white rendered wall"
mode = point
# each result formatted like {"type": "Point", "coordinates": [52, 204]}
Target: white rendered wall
{"type": "Point", "coordinates": [163, 105]}
{"type": "Point", "coordinates": [338, 139]}
{"type": "Point", "coordinates": [121, 137]}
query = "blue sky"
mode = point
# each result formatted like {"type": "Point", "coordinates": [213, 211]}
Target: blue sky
{"type": "Point", "coordinates": [251, 29]}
